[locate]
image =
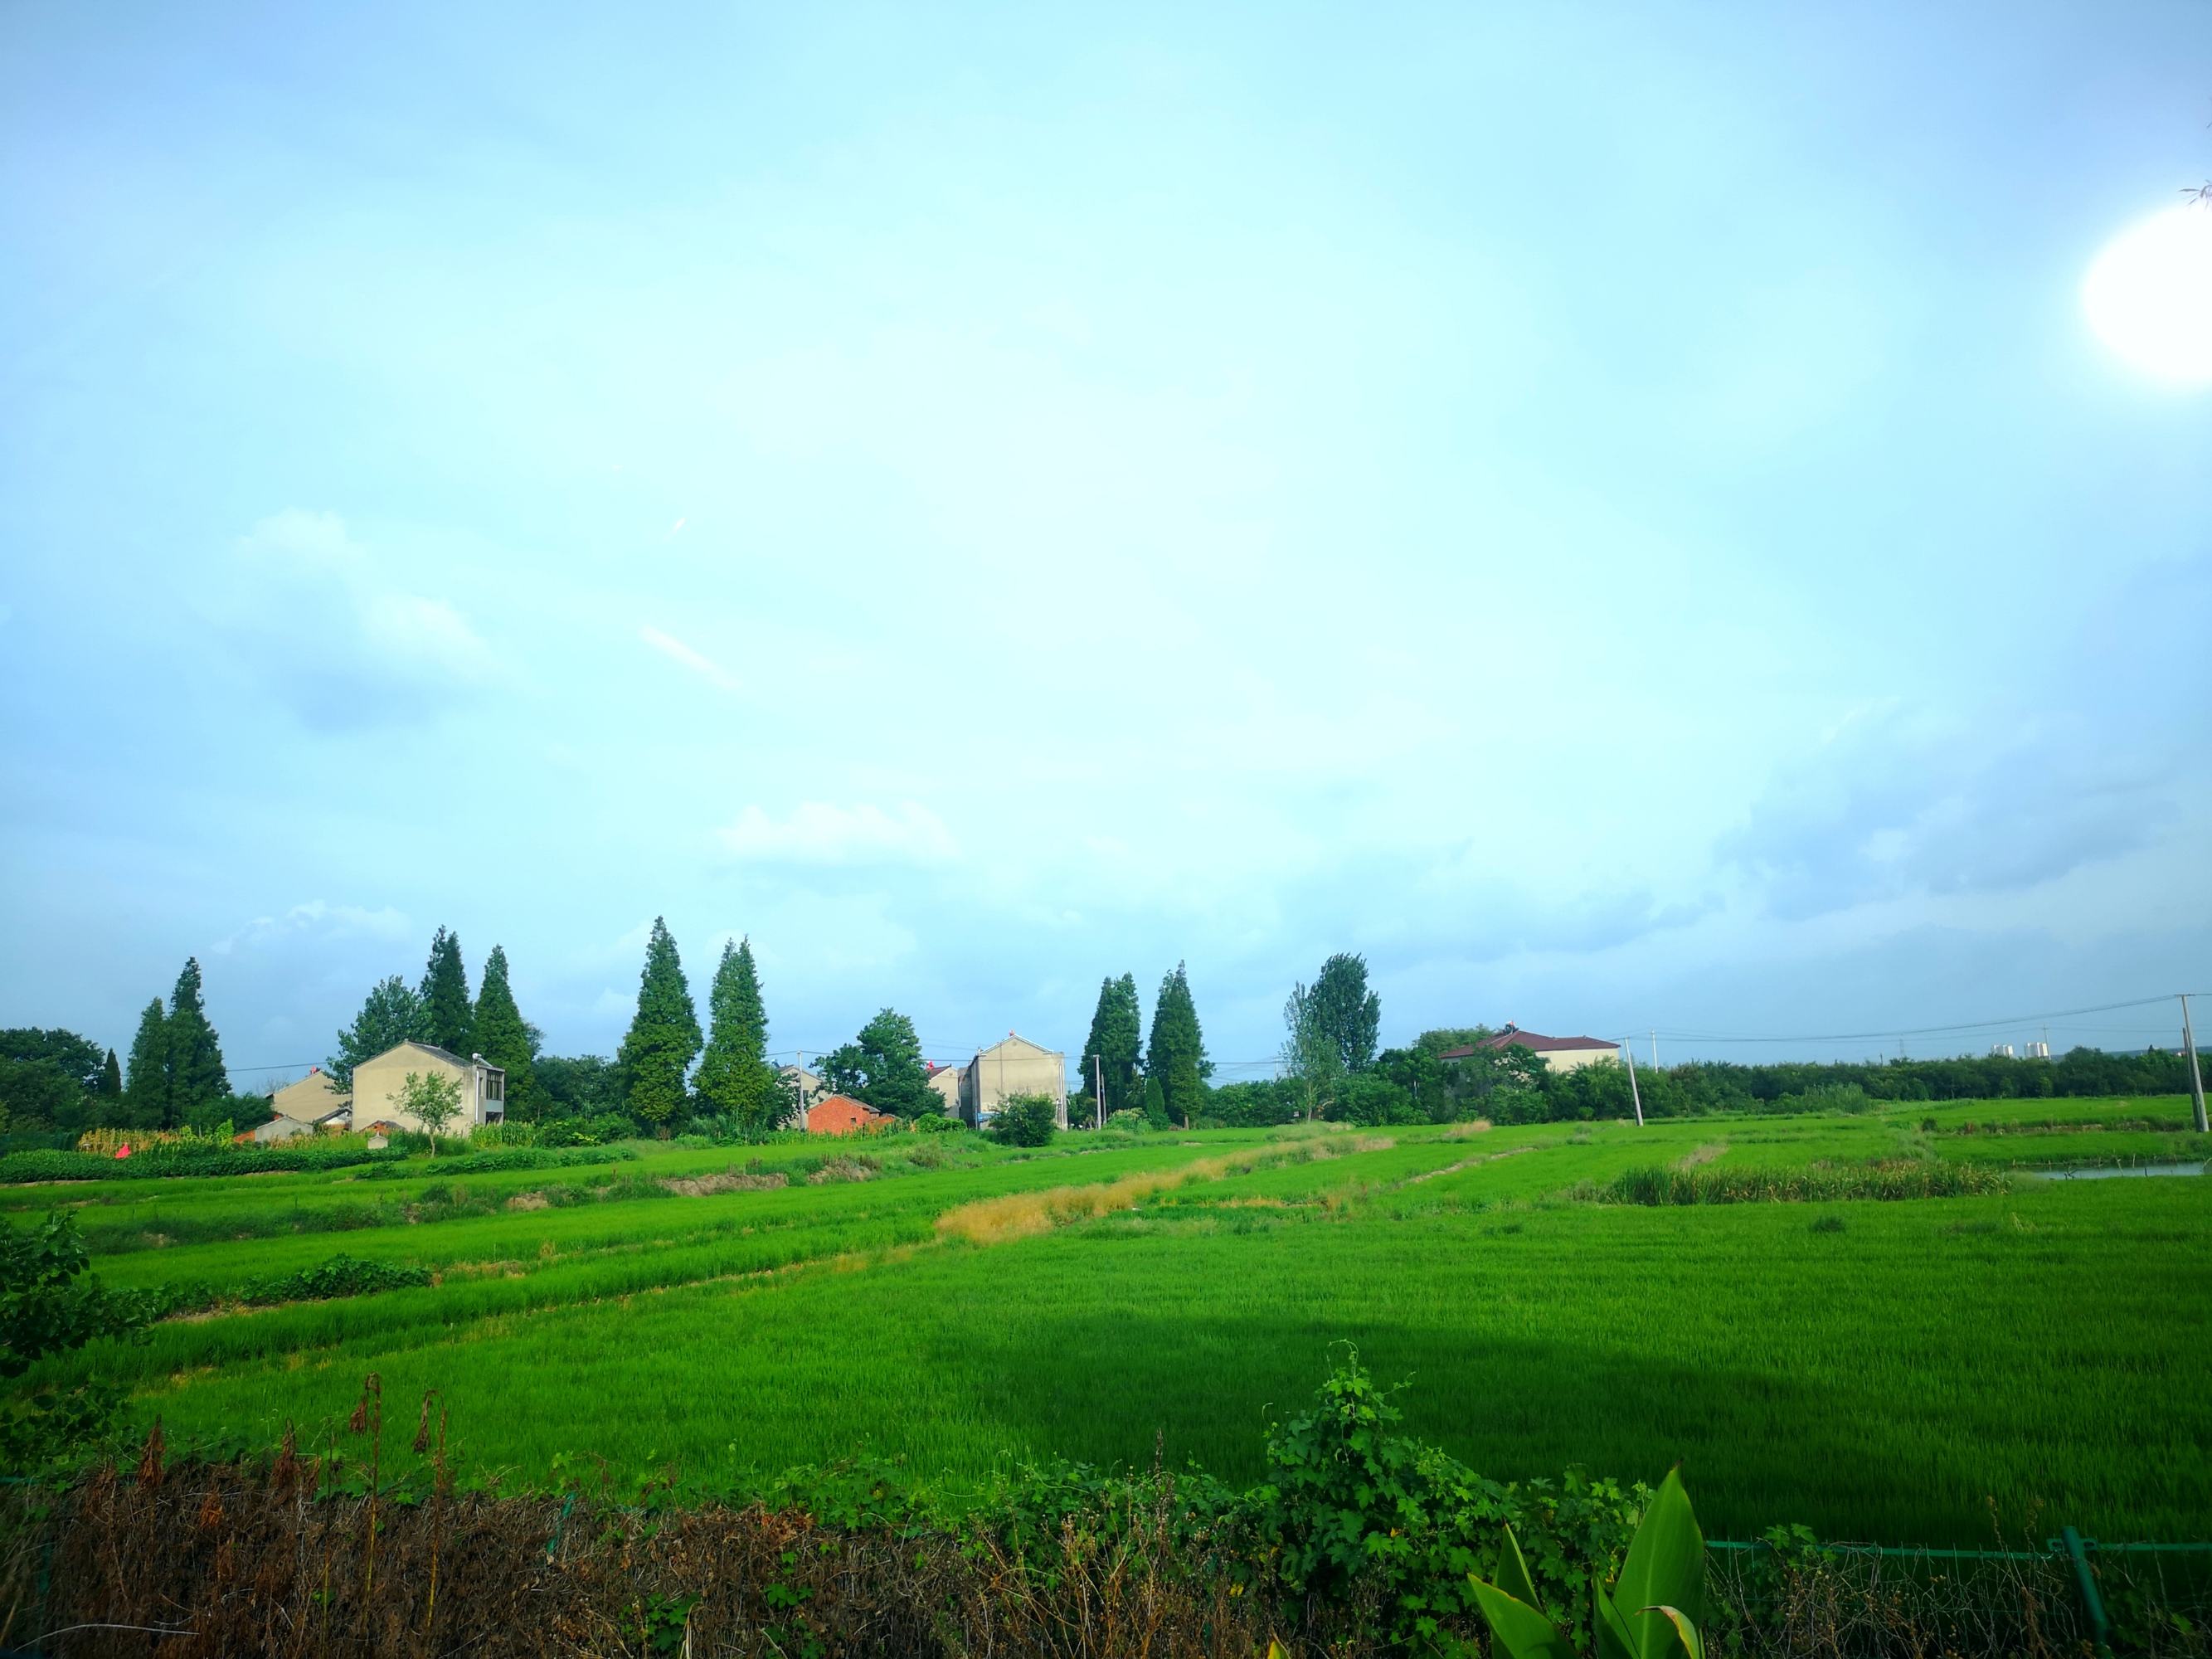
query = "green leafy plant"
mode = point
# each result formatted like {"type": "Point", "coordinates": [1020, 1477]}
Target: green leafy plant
{"type": "Point", "coordinates": [48, 1307]}
{"type": "Point", "coordinates": [1655, 1606]}
{"type": "Point", "coordinates": [1024, 1120]}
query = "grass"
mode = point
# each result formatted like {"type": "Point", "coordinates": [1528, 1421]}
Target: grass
{"type": "Point", "coordinates": [1877, 1369]}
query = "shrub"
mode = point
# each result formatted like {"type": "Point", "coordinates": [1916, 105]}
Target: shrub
{"type": "Point", "coordinates": [936, 1123]}
{"type": "Point", "coordinates": [47, 1307]}
{"type": "Point", "coordinates": [1025, 1121]}
{"type": "Point", "coordinates": [1352, 1503]}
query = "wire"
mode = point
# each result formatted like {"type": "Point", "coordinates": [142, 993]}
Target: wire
{"type": "Point", "coordinates": [1912, 1030]}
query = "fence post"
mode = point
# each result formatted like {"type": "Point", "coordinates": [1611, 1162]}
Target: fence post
{"type": "Point", "coordinates": [2086, 1581]}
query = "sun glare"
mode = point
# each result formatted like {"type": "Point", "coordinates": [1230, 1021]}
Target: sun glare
{"type": "Point", "coordinates": [2150, 295]}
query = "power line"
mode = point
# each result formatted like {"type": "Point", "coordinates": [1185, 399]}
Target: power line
{"type": "Point", "coordinates": [1879, 1036]}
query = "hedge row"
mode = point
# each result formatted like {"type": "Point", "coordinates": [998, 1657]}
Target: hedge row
{"type": "Point", "coordinates": [517, 1158]}
{"type": "Point", "coordinates": [158, 1163]}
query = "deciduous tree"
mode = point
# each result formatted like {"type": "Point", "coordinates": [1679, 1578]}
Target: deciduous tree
{"type": "Point", "coordinates": [392, 1014]}
{"type": "Point", "coordinates": [1312, 1063]}
{"type": "Point", "coordinates": [664, 1037]}
{"type": "Point", "coordinates": [1347, 1015]}
{"type": "Point", "coordinates": [432, 1099]}
{"type": "Point", "coordinates": [883, 1067]}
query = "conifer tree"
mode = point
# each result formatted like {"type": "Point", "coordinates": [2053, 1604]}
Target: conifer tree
{"type": "Point", "coordinates": [664, 1036]}
{"type": "Point", "coordinates": [445, 996]}
{"type": "Point", "coordinates": [1109, 1054]}
{"type": "Point", "coordinates": [391, 1015]}
{"type": "Point", "coordinates": [735, 1077]}
{"type": "Point", "coordinates": [196, 1070]}
{"type": "Point", "coordinates": [503, 1036]}
{"type": "Point", "coordinates": [148, 1096]}
{"type": "Point", "coordinates": [1177, 1057]}
{"type": "Point", "coordinates": [1155, 1105]}
{"type": "Point", "coordinates": [110, 1086]}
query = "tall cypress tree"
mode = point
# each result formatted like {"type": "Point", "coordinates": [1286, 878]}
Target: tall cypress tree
{"type": "Point", "coordinates": [734, 1075]}
{"type": "Point", "coordinates": [147, 1099]}
{"type": "Point", "coordinates": [502, 1037]}
{"type": "Point", "coordinates": [196, 1070]}
{"type": "Point", "coordinates": [1109, 1054]}
{"type": "Point", "coordinates": [664, 1036]}
{"type": "Point", "coordinates": [1177, 1057]}
{"type": "Point", "coordinates": [111, 1087]}
{"type": "Point", "coordinates": [445, 995]}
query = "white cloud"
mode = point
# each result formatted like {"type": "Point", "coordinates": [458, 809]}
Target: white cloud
{"type": "Point", "coordinates": [676, 651]}
{"type": "Point", "coordinates": [817, 833]}
{"type": "Point", "coordinates": [324, 920]}
{"type": "Point", "coordinates": [321, 615]}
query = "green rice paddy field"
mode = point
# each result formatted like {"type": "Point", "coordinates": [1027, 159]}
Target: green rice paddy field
{"type": "Point", "coordinates": [1878, 1369]}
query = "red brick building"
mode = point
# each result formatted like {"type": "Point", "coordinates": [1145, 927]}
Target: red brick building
{"type": "Point", "coordinates": [841, 1115]}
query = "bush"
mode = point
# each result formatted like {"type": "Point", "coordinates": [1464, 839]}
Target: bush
{"type": "Point", "coordinates": [936, 1123]}
{"type": "Point", "coordinates": [597, 1130]}
{"type": "Point", "coordinates": [1025, 1121]}
{"type": "Point", "coordinates": [47, 1307]}
{"type": "Point", "coordinates": [1353, 1503]}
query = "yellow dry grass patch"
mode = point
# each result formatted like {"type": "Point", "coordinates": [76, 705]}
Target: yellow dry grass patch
{"type": "Point", "coordinates": [1024, 1215]}
{"type": "Point", "coordinates": [1467, 1130]}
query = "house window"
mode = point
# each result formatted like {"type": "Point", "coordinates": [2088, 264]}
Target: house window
{"type": "Point", "coordinates": [494, 1086]}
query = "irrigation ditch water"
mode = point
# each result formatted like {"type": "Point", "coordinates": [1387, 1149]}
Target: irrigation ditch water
{"type": "Point", "coordinates": [2108, 1171]}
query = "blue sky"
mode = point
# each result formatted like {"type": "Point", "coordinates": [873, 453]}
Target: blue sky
{"type": "Point", "coordinates": [1613, 513]}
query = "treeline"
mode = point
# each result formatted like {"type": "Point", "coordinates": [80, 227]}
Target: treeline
{"type": "Point", "coordinates": [56, 1082]}
{"type": "Point", "coordinates": [1416, 1085]}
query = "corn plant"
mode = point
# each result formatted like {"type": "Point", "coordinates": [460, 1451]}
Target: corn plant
{"type": "Point", "coordinates": [1655, 1605]}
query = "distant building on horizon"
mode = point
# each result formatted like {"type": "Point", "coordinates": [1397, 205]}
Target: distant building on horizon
{"type": "Point", "coordinates": [1559, 1054]}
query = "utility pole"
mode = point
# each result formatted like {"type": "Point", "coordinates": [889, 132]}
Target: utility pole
{"type": "Point", "coordinates": [1634, 1093]}
{"type": "Point", "coordinates": [2195, 1071]}
{"type": "Point", "coordinates": [1654, 1051]}
{"type": "Point", "coordinates": [799, 1088]}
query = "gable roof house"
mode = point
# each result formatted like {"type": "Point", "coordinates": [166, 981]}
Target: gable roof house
{"type": "Point", "coordinates": [1558, 1053]}
{"type": "Point", "coordinates": [312, 1104]}
{"type": "Point", "coordinates": [1013, 1066]}
{"type": "Point", "coordinates": [378, 1085]}
{"type": "Point", "coordinates": [946, 1080]}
